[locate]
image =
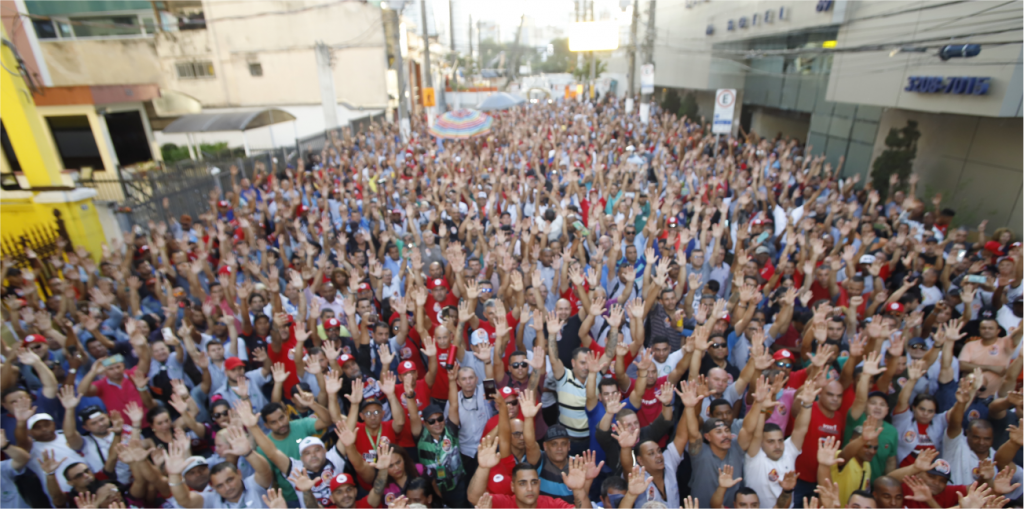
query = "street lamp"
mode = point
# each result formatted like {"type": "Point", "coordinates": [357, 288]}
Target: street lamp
{"type": "Point", "coordinates": [403, 110]}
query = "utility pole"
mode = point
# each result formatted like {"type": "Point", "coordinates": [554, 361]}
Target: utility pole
{"type": "Point", "coordinates": [325, 77]}
{"type": "Point", "coordinates": [469, 67]}
{"type": "Point", "coordinates": [648, 58]}
{"type": "Point", "coordinates": [428, 75]}
{"type": "Point", "coordinates": [513, 66]}
{"type": "Point", "coordinates": [403, 108]}
{"type": "Point", "coordinates": [631, 74]}
{"type": "Point", "coordinates": [593, 60]}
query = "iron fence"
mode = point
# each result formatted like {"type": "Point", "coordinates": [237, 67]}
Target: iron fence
{"type": "Point", "coordinates": [185, 186]}
{"type": "Point", "coordinates": [34, 248]}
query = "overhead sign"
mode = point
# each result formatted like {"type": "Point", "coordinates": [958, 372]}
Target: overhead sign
{"type": "Point", "coordinates": [957, 85]}
{"type": "Point", "coordinates": [593, 36]}
{"type": "Point", "coordinates": [725, 108]}
{"type": "Point", "coordinates": [647, 79]}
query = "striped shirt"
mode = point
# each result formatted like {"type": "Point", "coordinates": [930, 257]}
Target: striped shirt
{"type": "Point", "coordinates": [572, 405]}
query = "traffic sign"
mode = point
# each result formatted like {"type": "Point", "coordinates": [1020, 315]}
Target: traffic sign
{"type": "Point", "coordinates": [647, 79]}
{"type": "Point", "coordinates": [725, 108]}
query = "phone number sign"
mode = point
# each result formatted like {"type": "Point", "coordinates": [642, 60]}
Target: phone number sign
{"type": "Point", "coordinates": [957, 85]}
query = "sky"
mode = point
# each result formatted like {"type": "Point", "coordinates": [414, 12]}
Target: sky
{"type": "Point", "coordinates": [556, 13]}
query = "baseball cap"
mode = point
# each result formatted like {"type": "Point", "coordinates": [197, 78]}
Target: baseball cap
{"type": "Point", "coordinates": [479, 337]}
{"type": "Point", "coordinates": [994, 247]}
{"type": "Point", "coordinates": [224, 271]}
{"type": "Point", "coordinates": [193, 462]}
{"type": "Point", "coordinates": [762, 250]}
{"type": "Point", "coordinates": [405, 367]}
{"type": "Point", "coordinates": [556, 431]}
{"type": "Point", "coordinates": [38, 417]}
{"type": "Point", "coordinates": [917, 341]}
{"type": "Point", "coordinates": [370, 401]}
{"type": "Point", "coordinates": [90, 412]}
{"type": "Point", "coordinates": [711, 424]}
{"type": "Point", "coordinates": [309, 442]}
{"type": "Point", "coordinates": [35, 338]}
{"type": "Point", "coordinates": [672, 222]}
{"type": "Point", "coordinates": [345, 358]}
{"type": "Point", "coordinates": [364, 286]}
{"type": "Point", "coordinates": [507, 392]}
{"type": "Point", "coordinates": [783, 355]}
{"type": "Point", "coordinates": [341, 480]}
{"type": "Point", "coordinates": [894, 307]}
{"type": "Point", "coordinates": [941, 469]}
{"type": "Point", "coordinates": [232, 363]}
{"type": "Point", "coordinates": [223, 203]}
{"type": "Point", "coordinates": [434, 283]}
{"type": "Point", "coordinates": [332, 323]}
{"type": "Point", "coordinates": [867, 259]}
{"type": "Point", "coordinates": [431, 410]}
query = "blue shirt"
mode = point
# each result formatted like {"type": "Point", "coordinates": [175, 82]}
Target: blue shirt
{"type": "Point", "coordinates": [9, 495]}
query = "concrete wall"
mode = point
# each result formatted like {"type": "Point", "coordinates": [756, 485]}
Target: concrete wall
{"type": "Point", "coordinates": [975, 162]}
{"type": "Point", "coordinates": [875, 77]}
{"type": "Point", "coordinates": [768, 123]}
{"type": "Point", "coordinates": [283, 45]}
{"type": "Point", "coordinates": [101, 61]}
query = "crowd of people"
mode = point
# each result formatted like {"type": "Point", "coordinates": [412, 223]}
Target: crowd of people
{"type": "Point", "coordinates": [575, 309]}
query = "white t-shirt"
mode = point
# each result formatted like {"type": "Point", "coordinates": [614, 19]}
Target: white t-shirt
{"type": "Point", "coordinates": [322, 491]}
{"type": "Point", "coordinates": [962, 460]}
{"type": "Point", "coordinates": [61, 451]}
{"type": "Point", "coordinates": [664, 368]}
{"type": "Point", "coordinates": [762, 474]}
{"type": "Point", "coordinates": [910, 439]}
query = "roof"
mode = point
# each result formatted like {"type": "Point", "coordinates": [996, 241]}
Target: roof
{"type": "Point", "coordinates": [228, 121]}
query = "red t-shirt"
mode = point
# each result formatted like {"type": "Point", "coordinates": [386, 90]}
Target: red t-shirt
{"type": "Point", "coordinates": [405, 438]}
{"type": "Point", "coordinates": [947, 498]}
{"type": "Point", "coordinates": [820, 427]}
{"type": "Point", "coordinates": [433, 308]}
{"type": "Point", "coordinates": [287, 357]}
{"type": "Point", "coordinates": [440, 389]}
{"type": "Point", "coordinates": [500, 482]}
{"type": "Point", "coordinates": [117, 396]}
{"type": "Point", "coordinates": [844, 300]}
{"type": "Point", "coordinates": [509, 502]}
{"type": "Point", "coordinates": [650, 406]}
{"type": "Point", "coordinates": [364, 443]}
{"type": "Point", "coordinates": [411, 352]}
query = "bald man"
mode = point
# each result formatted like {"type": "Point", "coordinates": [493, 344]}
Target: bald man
{"type": "Point", "coordinates": [887, 492]}
{"type": "Point", "coordinates": [474, 412]}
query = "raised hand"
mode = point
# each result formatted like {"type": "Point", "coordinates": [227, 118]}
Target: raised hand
{"type": "Point", "coordinates": [788, 482]}
{"type": "Point", "coordinates": [279, 372]}
{"type": "Point", "coordinates": [48, 463]}
{"type": "Point", "coordinates": [626, 438]}
{"type": "Point", "coordinates": [921, 492]}
{"type": "Point", "coordinates": [238, 442]}
{"type": "Point", "coordinates": [274, 500]}
{"type": "Point", "coordinates": [725, 479]}
{"type": "Point", "coordinates": [245, 414]}
{"type": "Point", "coordinates": [827, 449]}
{"type": "Point", "coordinates": [577, 477]}
{"type": "Point", "coordinates": [68, 398]}
{"type": "Point", "coordinates": [487, 453]}
{"type": "Point", "coordinates": [1003, 481]}
{"type": "Point", "coordinates": [692, 503]}
{"type": "Point", "coordinates": [356, 395]}
{"type": "Point", "coordinates": [638, 481]}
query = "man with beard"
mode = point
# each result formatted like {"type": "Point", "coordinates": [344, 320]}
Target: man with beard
{"type": "Point", "coordinates": [344, 490]}
{"type": "Point", "coordinates": [229, 488]}
{"type": "Point", "coordinates": [316, 462]}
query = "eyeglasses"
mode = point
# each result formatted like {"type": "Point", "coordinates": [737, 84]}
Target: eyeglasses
{"type": "Point", "coordinates": [783, 364]}
{"type": "Point", "coordinates": [435, 420]}
{"type": "Point", "coordinates": [517, 434]}
{"type": "Point", "coordinates": [485, 290]}
{"type": "Point", "coordinates": [512, 402]}
{"type": "Point", "coordinates": [372, 413]}
{"type": "Point", "coordinates": [218, 415]}
{"type": "Point", "coordinates": [919, 346]}
{"type": "Point", "coordinates": [719, 345]}
{"type": "Point", "coordinates": [630, 232]}
{"type": "Point", "coordinates": [517, 365]}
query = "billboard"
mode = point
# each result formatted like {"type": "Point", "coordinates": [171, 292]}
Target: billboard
{"type": "Point", "coordinates": [593, 36]}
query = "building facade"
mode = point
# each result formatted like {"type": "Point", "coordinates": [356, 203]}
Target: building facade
{"type": "Point", "coordinates": [841, 74]}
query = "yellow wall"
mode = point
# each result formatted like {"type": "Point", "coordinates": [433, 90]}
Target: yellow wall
{"type": "Point", "coordinates": [80, 219]}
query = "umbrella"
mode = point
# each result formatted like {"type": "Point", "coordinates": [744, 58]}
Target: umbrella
{"type": "Point", "coordinates": [501, 101]}
{"type": "Point", "coordinates": [460, 124]}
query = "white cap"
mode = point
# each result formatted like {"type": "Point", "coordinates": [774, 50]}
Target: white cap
{"type": "Point", "coordinates": [193, 462]}
{"type": "Point", "coordinates": [309, 442]}
{"type": "Point", "coordinates": [38, 417]}
{"type": "Point", "coordinates": [867, 259]}
{"type": "Point", "coordinates": [479, 337]}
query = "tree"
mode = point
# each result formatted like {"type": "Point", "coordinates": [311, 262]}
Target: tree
{"type": "Point", "coordinates": [562, 60]}
{"type": "Point", "coordinates": [898, 157]}
{"type": "Point", "coordinates": [689, 108]}
{"type": "Point", "coordinates": [583, 73]}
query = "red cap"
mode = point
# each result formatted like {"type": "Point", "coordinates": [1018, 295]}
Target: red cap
{"type": "Point", "coordinates": [994, 247]}
{"type": "Point", "coordinates": [672, 222]}
{"type": "Point", "coordinates": [508, 392]}
{"type": "Point", "coordinates": [345, 358]}
{"type": "Point", "coordinates": [35, 338]}
{"type": "Point", "coordinates": [405, 367]}
{"type": "Point", "coordinates": [894, 307]}
{"type": "Point", "coordinates": [364, 287]}
{"type": "Point", "coordinates": [396, 211]}
{"type": "Point", "coordinates": [224, 270]}
{"type": "Point", "coordinates": [434, 283]}
{"type": "Point", "coordinates": [341, 480]}
{"type": "Point", "coordinates": [223, 203]}
{"type": "Point", "coordinates": [302, 209]}
{"type": "Point", "coordinates": [725, 316]}
{"type": "Point", "coordinates": [232, 363]}
{"type": "Point", "coordinates": [783, 355]}
{"type": "Point", "coordinates": [332, 323]}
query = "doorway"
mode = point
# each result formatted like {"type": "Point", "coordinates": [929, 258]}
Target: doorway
{"type": "Point", "coordinates": [128, 137]}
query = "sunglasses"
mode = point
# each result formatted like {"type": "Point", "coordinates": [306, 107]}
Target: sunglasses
{"type": "Point", "coordinates": [718, 345]}
{"type": "Point", "coordinates": [919, 346]}
{"type": "Point", "coordinates": [783, 364]}
{"type": "Point", "coordinates": [485, 290]}
{"type": "Point", "coordinates": [435, 420]}
{"type": "Point", "coordinates": [512, 402]}
{"type": "Point", "coordinates": [218, 415]}
{"type": "Point", "coordinates": [630, 233]}
{"type": "Point", "coordinates": [372, 413]}
{"type": "Point", "coordinates": [517, 365]}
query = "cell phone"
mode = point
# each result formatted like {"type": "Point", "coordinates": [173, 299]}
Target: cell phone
{"type": "Point", "coordinates": [167, 333]}
{"type": "Point", "coordinates": [762, 237]}
{"type": "Point", "coordinates": [960, 255]}
{"type": "Point", "coordinates": [977, 279]}
{"type": "Point", "coordinates": [578, 225]}
{"type": "Point", "coordinates": [490, 389]}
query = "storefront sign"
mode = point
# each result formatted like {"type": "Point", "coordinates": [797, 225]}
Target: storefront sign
{"type": "Point", "coordinates": [957, 85]}
{"type": "Point", "coordinates": [725, 107]}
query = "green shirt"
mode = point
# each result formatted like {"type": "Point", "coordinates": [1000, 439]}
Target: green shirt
{"type": "Point", "coordinates": [300, 428]}
{"type": "Point", "coordinates": [442, 456]}
{"type": "Point", "coordinates": [887, 442]}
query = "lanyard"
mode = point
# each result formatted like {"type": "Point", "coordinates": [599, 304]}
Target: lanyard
{"type": "Point", "coordinates": [373, 442]}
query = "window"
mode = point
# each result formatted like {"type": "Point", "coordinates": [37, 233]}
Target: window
{"type": "Point", "coordinates": [193, 70]}
{"type": "Point", "coordinates": [256, 69]}
{"type": "Point", "coordinates": [44, 29]}
{"type": "Point", "coordinates": [106, 26]}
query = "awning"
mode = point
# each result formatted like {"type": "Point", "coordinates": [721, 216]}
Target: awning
{"type": "Point", "coordinates": [228, 121]}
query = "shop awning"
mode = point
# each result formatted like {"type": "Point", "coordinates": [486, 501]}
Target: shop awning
{"type": "Point", "coordinates": [228, 121]}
